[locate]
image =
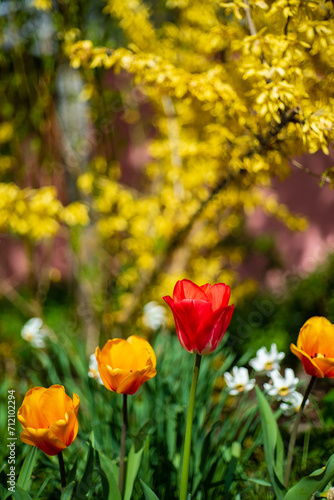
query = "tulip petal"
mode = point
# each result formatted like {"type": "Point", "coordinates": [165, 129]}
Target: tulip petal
{"type": "Point", "coordinates": [181, 329]}
{"type": "Point", "coordinates": [110, 377]}
{"type": "Point", "coordinates": [76, 403]}
{"type": "Point", "coordinates": [54, 403]}
{"type": "Point", "coordinates": [317, 336]}
{"type": "Point", "coordinates": [143, 349]}
{"type": "Point", "coordinates": [326, 365]}
{"type": "Point", "coordinates": [218, 294]}
{"type": "Point", "coordinates": [212, 329]}
{"type": "Point", "coordinates": [118, 353]}
{"type": "Point", "coordinates": [186, 289]}
{"type": "Point", "coordinates": [308, 364]}
{"type": "Point", "coordinates": [131, 384]}
{"type": "Point", "coordinates": [44, 439]}
{"type": "Point", "coordinates": [189, 315]}
{"type": "Point", "coordinates": [27, 414]}
{"type": "Point", "coordinates": [66, 429]}
{"type": "Point", "coordinates": [116, 376]}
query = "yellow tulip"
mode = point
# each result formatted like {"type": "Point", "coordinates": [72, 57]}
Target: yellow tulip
{"type": "Point", "coordinates": [315, 347]}
{"type": "Point", "coordinates": [124, 365]}
{"type": "Point", "coordinates": [49, 418]}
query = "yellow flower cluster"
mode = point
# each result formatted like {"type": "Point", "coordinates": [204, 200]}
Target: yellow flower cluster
{"type": "Point", "coordinates": [236, 89]}
{"type": "Point", "coordinates": [42, 4]}
{"type": "Point", "coordinates": [36, 213]}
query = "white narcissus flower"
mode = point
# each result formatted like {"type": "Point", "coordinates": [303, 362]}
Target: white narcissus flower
{"type": "Point", "coordinates": [33, 332]}
{"type": "Point", "coordinates": [239, 381]}
{"type": "Point", "coordinates": [93, 371]}
{"type": "Point", "coordinates": [330, 494]}
{"type": "Point", "coordinates": [154, 315]}
{"type": "Point", "coordinates": [291, 403]}
{"type": "Point", "coordinates": [281, 386]}
{"type": "Point", "coordinates": [266, 361]}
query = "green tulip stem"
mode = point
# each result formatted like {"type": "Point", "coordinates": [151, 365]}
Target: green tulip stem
{"type": "Point", "coordinates": [294, 432]}
{"type": "Point", "coordinates": [123, 441]}
{"type": "Point", "coordinates": [187, 441]}
{"type": "Point", "coordinates": [62, 470]}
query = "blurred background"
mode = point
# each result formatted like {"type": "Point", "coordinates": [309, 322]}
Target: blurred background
{"type": "Point", "coordinates": [107, 192]}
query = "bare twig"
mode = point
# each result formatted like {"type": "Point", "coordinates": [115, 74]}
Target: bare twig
{"type": "Point", "coordinates": [320, 178]}
{"type": "Point", "coordinates": [249, 18]}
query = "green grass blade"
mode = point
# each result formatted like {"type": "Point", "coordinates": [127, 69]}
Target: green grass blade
{"type": "Point", "coordinates": [149, 495]}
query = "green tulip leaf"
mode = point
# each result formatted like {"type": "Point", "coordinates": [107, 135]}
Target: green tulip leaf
{"type": "Point", "coordinates": [109, 481]}
{"type": "Point", "coordinates": [273, 446]}
{"type": "Point", "coordinates": [67, 492]}
{"type": "Point", "coordinates": [109, 474]}
{"type": "Point", "coordinates": [27, 468]}
{"type": "Point", "coordinates": [70, 476]}
{"type": "Point", "coordinates": [86, 481]}
{"type": "Point", "coordinates": [21, 494]}
{"type": "Point", "coordinates": [149, 495]}
{"type": "Point", "coordinates": [309, 485]}
{"type": "Point", "coordinates": [133, 464]}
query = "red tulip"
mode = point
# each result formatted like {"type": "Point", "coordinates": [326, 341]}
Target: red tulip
{"type": "Point", "coordinates": [201, 314]}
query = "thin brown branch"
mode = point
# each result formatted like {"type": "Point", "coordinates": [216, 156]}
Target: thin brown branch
{"type": "Point", "coordinates": [249, 18]}
{"type": "Point", "coordinates": [287, 116]}
{"type": "Point", "coordinates": [320, 178]}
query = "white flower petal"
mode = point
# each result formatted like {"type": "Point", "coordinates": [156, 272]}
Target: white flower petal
{"type": "Point", "coordinates": [154, 315]}
{"type": "Point", "coordinates": [33, 333]}
{"type": "Point", "coordinates": [277, 378]}
{"type": "Point", "coordinates": [261, 352]}
{"type": "Point", "coordinates": [243, 376]}
{"type": "Point", "coordinates": [250, 385]}
{"type": "Point", "coordinates": [273, 349]}
{"type": "Point", "coordinates": [34, 324]}
{"type": "Point", "coordinates": [234, 392]}
{"type": "Point", "coordinates": [256, 364]}
{"type": "Point", "coordinates": [229, 379]}
{"type": "Point", "coordinates": [289, 375]}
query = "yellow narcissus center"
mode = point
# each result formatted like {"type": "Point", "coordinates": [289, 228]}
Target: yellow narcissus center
{"type": "Point", "coordinates": [240, 387]}
{"type": "Point", "coordinates": [284, 391]}
{"type": "Point", "coordinates": [269, 366]}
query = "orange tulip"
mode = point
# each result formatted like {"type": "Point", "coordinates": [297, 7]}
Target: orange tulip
{"type": "Point", "coordinates": [49, 418]}
{"type": "Point", "coordinates": [315, 347]}
{"type": "Point", "coordinates": [124, 365]}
